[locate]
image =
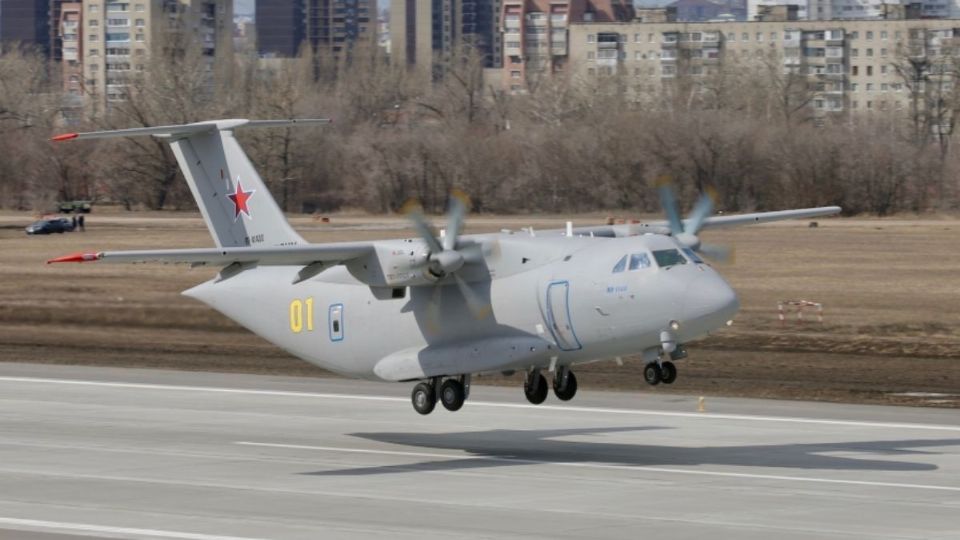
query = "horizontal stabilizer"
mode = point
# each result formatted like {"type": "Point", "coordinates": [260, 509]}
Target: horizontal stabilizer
{"type": "Point", "coordinates": [188, 129]}
{"type": "Point", "coordinates": [287, 255]}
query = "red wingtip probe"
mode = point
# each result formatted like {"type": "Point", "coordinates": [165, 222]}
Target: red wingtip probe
{"type": "Point", "coordinates": [64, 137]}
{"type": "Point", "coordinates": [75, 258]}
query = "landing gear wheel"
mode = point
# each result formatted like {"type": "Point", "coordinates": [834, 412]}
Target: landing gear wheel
{"type": "Point", "coordinates": [535, 388]}
{"type": "Point", "coordinates": [452, 394]}
{"type": "Point", "coordinates": [668, 372]}
{"type": "Point", "coordinates": [567, 393]}
{"type": "Point", "coordinates": [424, 398]}
{"type": "Point", "coordinates": [652, 374]}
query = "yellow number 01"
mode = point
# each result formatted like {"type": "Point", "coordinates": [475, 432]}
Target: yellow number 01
{"type": "Point", "coordinates": [296, 315]}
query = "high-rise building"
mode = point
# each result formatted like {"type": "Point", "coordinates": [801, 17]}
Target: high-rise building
{"type": "Point", "coordinates": [119, 36]}
{"type": "Point", "coordinates": [431, 33]}
{"type": "Point", "coordinates": [329, 26]}
{"type": "Point", "coordinates": [281, 27]}
{"type": "Point", "coordinates": [25, 22]}
{"type": "Point", "coordinates": [68, 46]}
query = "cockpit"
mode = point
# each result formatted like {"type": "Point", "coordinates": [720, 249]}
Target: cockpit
{"type": "Point", "coordinates": [664, 258]}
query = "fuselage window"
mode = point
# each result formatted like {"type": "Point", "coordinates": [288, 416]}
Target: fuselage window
{"type": "Point", "coordinates": [668, 257]}
{"type": "Point", "coordinates": [692, 255]}
{"type": "Point", "coordinates": [621, 265]}
{"type": "Point", "coordinates": [639, 260]}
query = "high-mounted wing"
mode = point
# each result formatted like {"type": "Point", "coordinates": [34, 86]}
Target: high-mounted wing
{"type": "Point", "coordinates": [715, 222]}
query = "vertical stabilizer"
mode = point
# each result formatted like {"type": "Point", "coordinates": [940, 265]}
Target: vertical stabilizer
{"type": "Point", "coordinates": [233, 199]}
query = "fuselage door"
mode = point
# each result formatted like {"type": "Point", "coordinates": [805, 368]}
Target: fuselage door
{"type": "Point", "coordinates": [558, 316]}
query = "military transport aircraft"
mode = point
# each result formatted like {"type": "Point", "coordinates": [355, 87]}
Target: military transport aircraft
{"type": "Point", "coordinates": [435, 309]}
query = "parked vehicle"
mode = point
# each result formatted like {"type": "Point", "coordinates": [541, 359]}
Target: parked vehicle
{"type": "Point", "coordinates": [78, 207]}
{"type": "Point", "coordinates": [50, 226]}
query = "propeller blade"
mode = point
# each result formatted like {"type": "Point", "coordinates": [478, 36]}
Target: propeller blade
{"type": "Point", "coordinates": [700, 212]}
{"type": "Point", "coordinates": [669, 203]}
{"type": "Point", "coordinates": [414, 213]}
{"type": "Point", "coordinates": [480, 308]}
{"type": "Point", "coordinates": [459, 202]}
{"type": "Point", "coordinates": [717, 253]}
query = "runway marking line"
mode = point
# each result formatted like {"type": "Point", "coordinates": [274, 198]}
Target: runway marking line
{"type": "Point", "coordinates": [80, 528]}
{"type": "Point", "coordinates": [491, 404]}
{"type": "Point", "coordinates": [605, 466]}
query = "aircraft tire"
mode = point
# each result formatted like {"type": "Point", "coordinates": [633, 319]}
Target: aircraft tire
{"type": "Point", "coordinates": [567, 393]}
{"type": "Point", "coordinates": [424, 398]}
{"type": "Point", "coordinates": [535, 389]}
{"type": "Point", "coordinates": [652, 374]}
{"type": "Point", "coordinates": [668, 372]}
{"type": "Point", "coordinates": [452, 395]}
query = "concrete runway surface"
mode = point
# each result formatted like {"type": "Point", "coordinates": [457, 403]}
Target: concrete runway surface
{"type": "Point", "coordinates": [120, 453]}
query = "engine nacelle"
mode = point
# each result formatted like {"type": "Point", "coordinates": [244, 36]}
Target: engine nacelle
{"type": "Point", "coordinates": [396, 263]}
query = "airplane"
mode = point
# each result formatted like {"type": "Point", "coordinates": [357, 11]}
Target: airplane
{"type": "Point", "coordinates": [435, 310]}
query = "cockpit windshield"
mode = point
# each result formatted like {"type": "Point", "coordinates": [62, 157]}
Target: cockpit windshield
{"type": "Point", "coordinates": [668, 257]}
{"type": "Point", "coordinates": [692, 255]}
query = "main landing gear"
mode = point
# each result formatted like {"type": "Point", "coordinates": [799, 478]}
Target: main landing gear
{"type": "Point", "coordinates": [452, 392]}
{"type": "Point", "coordinates": [564, 385]}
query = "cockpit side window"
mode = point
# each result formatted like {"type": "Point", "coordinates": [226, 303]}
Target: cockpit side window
{"type": "Point", "coordinates": [639, 260]}
{"type": "Point", "coordinates": [692, 255]}
{"type": "Point", "coordinates": [621, 265]}
{"type": "Point", "coordinates": [668, 257]}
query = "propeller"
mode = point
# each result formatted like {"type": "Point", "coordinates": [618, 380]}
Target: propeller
{"type": "Point", "coordinates": [685, 232]}
{"type": "Point", "coordinates": [447, 256]}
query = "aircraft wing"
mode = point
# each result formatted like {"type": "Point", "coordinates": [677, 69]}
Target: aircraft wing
{"type": "Point", "coordinates": [715, 222]}
{"type": "Point", "coordinates": [283, 255]}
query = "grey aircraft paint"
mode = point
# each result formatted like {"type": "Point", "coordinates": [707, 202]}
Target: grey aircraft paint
{"type": "Point", "coordinates": [429, 309]}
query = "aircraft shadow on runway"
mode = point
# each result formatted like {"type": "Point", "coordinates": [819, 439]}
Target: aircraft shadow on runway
{"type": "Point", "coordinates": [505, 447]}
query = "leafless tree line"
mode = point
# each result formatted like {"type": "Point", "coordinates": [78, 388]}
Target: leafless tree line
{"type": "Point", "coordinates": [746, 131]}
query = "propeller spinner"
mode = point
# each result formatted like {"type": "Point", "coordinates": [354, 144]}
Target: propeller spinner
{"type": "Point", "coordinates": [686, 231]}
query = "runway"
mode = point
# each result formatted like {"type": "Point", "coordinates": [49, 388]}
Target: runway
{"type": "Point", "coordinates": [122, 453]}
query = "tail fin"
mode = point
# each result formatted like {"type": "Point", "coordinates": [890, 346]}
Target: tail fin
{"type": "Point", "coordinates": [232, 197]}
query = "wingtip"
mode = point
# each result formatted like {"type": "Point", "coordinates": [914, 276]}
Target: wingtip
{"type": "Point", "coordinates": [75, 258]}
{"type": "Point", "coordinates": [64, 137]}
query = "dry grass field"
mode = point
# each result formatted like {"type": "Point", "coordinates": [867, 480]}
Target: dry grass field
{"type": "Point", "coordinates": [890, 289]}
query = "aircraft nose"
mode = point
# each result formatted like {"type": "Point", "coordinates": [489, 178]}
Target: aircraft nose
{"type": "Point", "coordinates": [710, 300]}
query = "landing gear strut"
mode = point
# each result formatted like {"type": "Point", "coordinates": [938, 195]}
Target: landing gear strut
{"type": "Point", "coordinates": [535, 387]}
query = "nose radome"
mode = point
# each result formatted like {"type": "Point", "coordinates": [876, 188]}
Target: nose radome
{"type": "Point", "coordinates": [710, 299]}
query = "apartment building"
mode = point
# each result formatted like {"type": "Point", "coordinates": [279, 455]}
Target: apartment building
{"type": "Point", "coordinates": [535, 35]}
{"type": "Point", "coordinates": [847, 65]}
{"type": "Point", "coordinates": [118, 36]}
{"type": "Point", "coordinates": [68, 45]}
{"type": "Point", "coordinates": [429, 34]}
{"type": "Point", "coordinates": [857, 9]}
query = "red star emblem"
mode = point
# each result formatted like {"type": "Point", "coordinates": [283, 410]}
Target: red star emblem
{"type": "Point", "coordinates": [239, 198]}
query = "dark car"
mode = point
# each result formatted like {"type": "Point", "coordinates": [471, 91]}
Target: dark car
{"type": "Point", "coordinates": [50, 226]}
